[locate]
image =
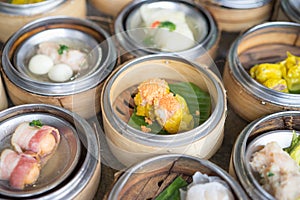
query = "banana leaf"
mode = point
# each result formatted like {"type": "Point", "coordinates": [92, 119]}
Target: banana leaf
{"type": "Point", "coordinates": [196, 99]}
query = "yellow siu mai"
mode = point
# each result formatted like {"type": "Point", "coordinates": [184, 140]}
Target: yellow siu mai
{"type": "Point", "coordinates": [148, 91]}
{"type": "Point", "coordinates": [173, 114]}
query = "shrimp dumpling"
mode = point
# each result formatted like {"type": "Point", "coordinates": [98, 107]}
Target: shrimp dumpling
{"type": "Point", "coordinates": [155, 102]}
{"type": "Point", "coordinates": [148, 91]}
{"type": "Point", "coordinates": [173, 114]}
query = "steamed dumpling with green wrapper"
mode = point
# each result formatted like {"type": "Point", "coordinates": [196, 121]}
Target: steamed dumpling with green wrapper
{"type": "Point", "coordinates": [167, 29]}
{"type": "Point", "coordinates": [155, 102]}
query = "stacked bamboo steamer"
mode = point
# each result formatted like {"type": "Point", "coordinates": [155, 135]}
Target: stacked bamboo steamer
{"type": "Point", "coordinates": [13, 17]}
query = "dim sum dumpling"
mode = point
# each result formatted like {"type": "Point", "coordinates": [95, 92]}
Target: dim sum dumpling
{"type": "Point", "coordinates": [176, 40]}
{"type": "Point", "coordinates": [209, 191]}
{"type": "Point", "coordinates": [206, 187]}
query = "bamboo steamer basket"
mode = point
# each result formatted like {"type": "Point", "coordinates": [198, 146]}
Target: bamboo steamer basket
{"type": "Point", "coordinates": [267, 42]}
{"type": "Point", "coordinates": [147, 179]}
{"type": "Point", "coordinates": [130, 32]}
{"type": "Point", "coordinates": [236, 16]}
{"type": "Point", "coordinates": [83, 181]}
{"type": "Point", "coordinates": [3, 97]}
{"type": "Point", "coordinates": [13, 17]}
{"type": "Point", "coordinates": [130, 145]}
{"type": "Point", "coordinates": [110, 7]}
{"type": "Point", "coordinates": [81, 95]}
{"type": "Point", "coordinates": [274, 127]}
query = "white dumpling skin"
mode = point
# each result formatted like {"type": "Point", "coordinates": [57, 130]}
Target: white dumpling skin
{"type": "Point", "coordinates": [209, 191]}
{"type": "Point", "coordinates": [60, 73]}
{"type": "Point", "coordinates": [40, 64]}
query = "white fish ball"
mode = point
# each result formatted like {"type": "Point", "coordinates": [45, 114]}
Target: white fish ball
{"type": "Point", "coordinates": [40, 64]}
{"type": "Point", "coordinates": [60, 73]}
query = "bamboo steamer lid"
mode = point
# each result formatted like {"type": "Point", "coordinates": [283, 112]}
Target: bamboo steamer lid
{"type": "Point", "coordinates": [236, 16]}
{"type": "Point", "coordinates": [110, 7]}
{"type": "Point", "coordinates": [148, 178]}
{"type": "Point", "coordinates": [13, 17]}
{"type": "Point", "coordinates": [130, 145]}
{"type": "Point", "coordinates": [268, 42]}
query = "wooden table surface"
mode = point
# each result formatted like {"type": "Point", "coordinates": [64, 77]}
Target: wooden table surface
{"type": "Point", "coordinates": [233, 125]}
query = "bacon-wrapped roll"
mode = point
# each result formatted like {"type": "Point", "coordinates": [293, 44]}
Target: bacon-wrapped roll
{"type": "Point", "coordinates": [19, 169]}
{"type": "Point", "coordinates": [40, 141]}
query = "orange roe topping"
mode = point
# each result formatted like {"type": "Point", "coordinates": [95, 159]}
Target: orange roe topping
{"type": "Point", "coordinates": [145, 129]}
{"type": "Point", "coordinates": [153, 89]}
{"type": "Point", "coordinates": [155, 24]}
{"type": "Point", "coordinates": [169, 103]}
{"type": "Point", "coordinates": [148, 121]}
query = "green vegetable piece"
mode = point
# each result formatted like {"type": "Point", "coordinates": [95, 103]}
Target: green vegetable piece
{"type": "Point", "coordinates": [62, 48]}
{"type": "Point", "coordinates": [294, 149]}
{"type": "Point", "coordinates": [36, 123]}
{"type": "Point", "coordinates": [295, 140]}
{"type": "Point", "coordinates": [172, 191]}
{"type": "Point", "coordinates": [167, 24]}
{"type": "Point", "coordinates": [137, 121]}
{"type": "Point", "coordinates": [295, 153]}
{"type": "Point", "coordinates": [269, 174]}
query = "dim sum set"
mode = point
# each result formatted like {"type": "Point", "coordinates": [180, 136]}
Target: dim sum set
{"type": "Point", "coordinates": [33, 145]}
